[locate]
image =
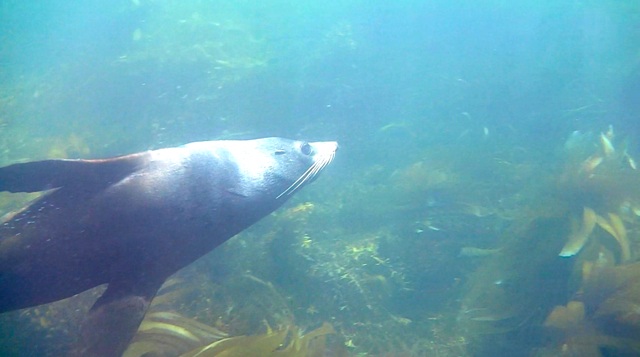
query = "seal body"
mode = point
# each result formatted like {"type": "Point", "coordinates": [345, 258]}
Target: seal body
{"type": "Point", "coordinates": [132, 221]}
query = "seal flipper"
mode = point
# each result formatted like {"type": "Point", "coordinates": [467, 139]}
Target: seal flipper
{"type": "Point", "coordinates": [115, 317]}
{"type": "Point", "coordinates": [48, 174]}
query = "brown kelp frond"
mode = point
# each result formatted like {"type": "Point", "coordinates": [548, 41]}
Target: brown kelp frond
{"type": "Point", "coordinates": [604, 315]}
{"type": "Point", "coordinates": [582, 229]}
{"type": "Point", "coordinates": [269, 344]}
{"type": "Point", "coordinates": [604, 179]}
{"type": "Point", "coordinates": [580, 232]}
{"type": "Point", "coordinates": [566, 317]}
{"type": "Point", "coordinates": [166, 334]}
{"type": "Point", "coordinates": [601, 179]}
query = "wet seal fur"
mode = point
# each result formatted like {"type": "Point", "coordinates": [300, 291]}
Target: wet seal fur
{"type": "Point", "coordinates": [132, 221]}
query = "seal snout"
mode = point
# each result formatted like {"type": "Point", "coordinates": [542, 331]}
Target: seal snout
{"type": "Point", "coordinates": [325, 147]}
{"type": "Point", "coordinates": [322, 154]}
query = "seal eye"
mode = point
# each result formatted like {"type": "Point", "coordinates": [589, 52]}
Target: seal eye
{"type": "Point", "coordinates": [305, 148]}
{"type": "Point", "coordinates": [280, 152]}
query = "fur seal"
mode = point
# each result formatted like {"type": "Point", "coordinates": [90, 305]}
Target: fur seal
{"type": "Point", "coordinates": [132, 221]}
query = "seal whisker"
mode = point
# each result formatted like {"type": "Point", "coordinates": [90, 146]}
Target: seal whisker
{"type": "Point", "coordinates": [301, 180]}
{"type": "Point", "coordinates": [320, 163]}
{"type": "Point", "coordinates": [297, 182]}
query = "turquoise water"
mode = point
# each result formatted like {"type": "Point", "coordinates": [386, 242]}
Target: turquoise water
{"type": "Point", "coordinates": [478, 140]}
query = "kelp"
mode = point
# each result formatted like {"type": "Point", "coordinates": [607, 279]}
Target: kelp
{"type": "Point", "coordinates": [613, 293]}
{"type": "Point", "coordinates": [566, 317]}
{"type": "Point", "coordinates": [269, 344]}
{"type": "Point", "coordinates": [168, 334]}
{"type": "Point", "coordinates": [511, 293]}
{"type": "Point", "coordinates": [581, 231]}
{"type": "Point", "coordinates": [258, 345]}
{"type": "Point", "coordinates": [603, 320]}
{"type": "Point", "coordinates": [573, 335]}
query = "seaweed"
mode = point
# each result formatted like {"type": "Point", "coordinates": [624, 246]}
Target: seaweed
{"type": "Point", "coordinates": [286, 342]}
{"type": "Point", "coordinates": [509, 296]}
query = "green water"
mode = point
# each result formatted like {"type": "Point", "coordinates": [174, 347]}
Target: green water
{"type": "Point", "coordinates": [473, 135]}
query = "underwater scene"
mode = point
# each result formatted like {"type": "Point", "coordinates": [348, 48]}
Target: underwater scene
{"type": "Point", "coordinates": [484, 199]}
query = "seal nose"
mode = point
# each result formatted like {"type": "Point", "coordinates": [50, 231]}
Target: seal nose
{"type": "Point", "coordinates": [325, 147]}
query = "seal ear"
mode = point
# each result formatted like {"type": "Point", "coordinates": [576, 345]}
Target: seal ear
{"type": "Point", "coordinates": [48, 174]}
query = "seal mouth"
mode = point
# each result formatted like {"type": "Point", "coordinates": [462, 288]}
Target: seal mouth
{"type": "Point", "coordinates": [324, 154]}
